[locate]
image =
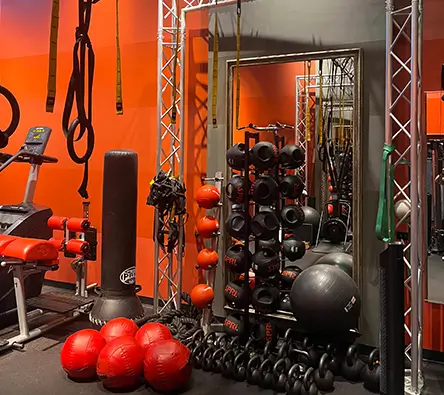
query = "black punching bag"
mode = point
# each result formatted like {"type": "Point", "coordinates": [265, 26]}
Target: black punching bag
{"type": "Point", "coordinates": [119, 219]}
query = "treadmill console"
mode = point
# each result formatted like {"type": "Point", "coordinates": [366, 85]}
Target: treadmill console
{"type": "Point", "coordinates": [37, 139]}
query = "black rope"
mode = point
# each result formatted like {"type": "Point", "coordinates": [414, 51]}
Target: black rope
{"type": "Point", "coordinates": [83, 54]}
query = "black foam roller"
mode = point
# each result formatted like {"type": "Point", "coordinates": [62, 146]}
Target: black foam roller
{"type": "Point", "coordinates": [119, 224]}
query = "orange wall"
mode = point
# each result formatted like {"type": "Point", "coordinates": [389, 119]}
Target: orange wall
{"type": "Point", "coordinates": [24, 43]}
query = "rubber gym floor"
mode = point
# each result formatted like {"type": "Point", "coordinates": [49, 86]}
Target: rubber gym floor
{"type": "Point", "coordinates": [37, 371]}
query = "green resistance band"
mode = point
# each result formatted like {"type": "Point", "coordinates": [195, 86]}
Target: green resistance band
{"type": "Point", "coordinates": [384, 229]}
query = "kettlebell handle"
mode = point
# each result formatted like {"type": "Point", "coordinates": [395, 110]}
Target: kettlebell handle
{"type": "Point", "coordinates": [210, 337]}
{"type": "Point", "coordinates": [294, 372]}
{"type": "Point", "coordinates": [308, 378]}
{"type": "Point", "coordinates": [373, 359]}
{"type": "Point", "coordinates": [283, 350]}
{"type": "Point", "coordinates": [265, 365]}
{"type": "Point", "coordinates": [323, 364]}
{"type": "Point", "coordinates": [352, 354]}
{"type": "Point", "coordinates": [253, 362]}
{"type": "Point", "coordinates": [279, 367]}
{"type": "Point", "coordinates": [288, 334]}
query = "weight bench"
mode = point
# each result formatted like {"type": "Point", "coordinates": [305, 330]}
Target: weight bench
{"type": "Point", "coordinates": [19, 253]}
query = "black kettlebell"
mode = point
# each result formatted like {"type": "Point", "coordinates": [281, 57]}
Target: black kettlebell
{"type": "Point", "coordinates": [288, 275]}
{"type": "Point", "coordinates": [293, 248]}
{"type": "Point", "coordinates": [207, 358]}
{"type": "Point", "coordinates": [263, 332]}
{"type": "Point", "coordinates": [264, 155]}
{"type": "Point", "coordinates": [265, 299]}
{"type": "Point", "coordinates": [308, 385]}
{"type": "Point", "coordinates": [235, 225]}
{"type": "Point", "coordinates": [240, 366]}
{"type": "Point", "coordinates": [235, 293]}
{"type": "Point", "coordinates": [235, 258]}
{"type": "Point", "coordinates": [292, 217]}
{"type": "Point", "coordinates": [323, 376]}
{"type": "Point", "coordinates": [216, 360]}
{"type": "Point", "coordinates": [236, 156]}
{"type": "Point", "coordinates": [291, 186]}
{"type": "Point", "coordinates": [235, 189]}
{"type": "Point", "coordinates": [265, 263]}
{"type": "Point", "coordinates": [265, 225]}
{"type": "Point", "coordinates": [371, 373]}
{"type": "Point", "coordinates": [265, 190]}
{"type": "Point", "coordinates": [334, 230]}
{"type": "Point", "coordinates": [313, 356]}
{"type": "Point", "coordinates": [227, 363]}
{"type": "Point", "coordinates": [279, 375]}
{"type": "Point", "coordinates": [352, 366]}
{"type": "Point", "coordinates": [233, 325]}
{"type": "Point", "coordinates": [252, 373]}
{"type": "Point", "coordinates": [335, 359]}
{"type": "Point", "coordinates": [266, 374]}
{"type": "Point", "coordinates": [272, 243]}
{"type": "Point", "coordinates": [294, 384]}
{"type": "Point", "coordinates": [285, 304]}
{"type": "Point", "coordinates": [291, 156]}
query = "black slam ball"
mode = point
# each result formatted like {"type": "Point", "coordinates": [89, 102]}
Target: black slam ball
{"type": "Point", "coordinates": [325, 299]}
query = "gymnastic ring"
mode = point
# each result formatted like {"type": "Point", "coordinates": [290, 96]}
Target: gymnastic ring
{"type": "Point", "coordinates": [9, 131]}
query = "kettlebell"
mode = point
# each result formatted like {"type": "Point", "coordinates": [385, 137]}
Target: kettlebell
{"type": "Point", "coordinates": [265, 263]}
{"type": "Point", "coordinates": [235, 293]}
{"type": "Point", "coordinates": [272, 243]}
{"type": "Point", "coordinates": [235, 189]}
{"type": "Point", "coordinates": [252, 373]}
{"type": "Point", "coordinates": [264, 155]}
{"type": "Point", "coordinates": [308, 385]}
{"type": "Point", "coordinates": [294, 384]}
{"type": "Point", "coordinates": [266, 374]}
{"type": "Point", "coordinates": [227, 363]}
{"type": "Point", "coordinates": [235, 225]}
{"type": "Point", "coordinates": [323, 376]}
{"type": "Point", "coordinates": [240, 366]}
{"type": "Point", "coordinates": [233, 325]}
{"type": "Point", "coordinates": [235, 258]}
{"type": "Point", "coordinates": [265, 225]}
{"type": "Point", "coordinates": [265, 190]}
{"type": "Point", "coordinates": [352, 366]}
{"type": "Point", "coordinates": [263, 332]}
{"type": "Point", "coordinates": [291, 186]}
{"type": "Point", "coordinates": [265, 299]}
{"type": "Point", "coordinates": [371, 373]}
{"type": "Point", "coordinates": [335, 359]}
{"type": "Point", "coordinates": [288, 275]}
{"type": "Point", "coordinates": [312, 355]}
{"type": "Point", "coordinates": [285, 304]}
{"type": "Point", "coordinates": [216, 359]}
{"type": "Point", "coordinates": [291, 156]}
{"type": "Point", "coordinates": [334, 230]}
{"type": "Point", "coordinates": [279, 375]}
{"type": "Point", "coordinates": [293, 248]}
{"type": "Point", "coordinates": [236, 156]}
{"type": "Point", "coordinates": [292, 217]}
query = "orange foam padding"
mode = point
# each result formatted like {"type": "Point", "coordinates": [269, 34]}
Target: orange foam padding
{"type": "Point", "coordinates": [78, 224]}
{"type": "Point", "coordinates": [4, 241]}
{"type": "Point", "coordinates": [76, 246]}
{"type": "Point", "coordinates": [59, 244]}
{"type": "Point", "coordinates": [434, 113]}
{"type": "Point", "coordinates": [30, 250]}
{"type": "Point", "coordinates": [57, 223]}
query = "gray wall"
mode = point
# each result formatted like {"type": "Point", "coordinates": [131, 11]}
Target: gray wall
{"type": "Point", "coordinates": [290, 26]}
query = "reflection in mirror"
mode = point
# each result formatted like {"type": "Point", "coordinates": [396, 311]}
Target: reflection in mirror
{"type": "Point", "coordinates": [313, 104]}
{"type": "Point", "coordinates": [434, 105]}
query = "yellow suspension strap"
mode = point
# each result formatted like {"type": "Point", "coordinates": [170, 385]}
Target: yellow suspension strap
{"type": "Point", "coordinates": [307, 106]}
{"type": "Point", "coordinates": [119, 100]}
{"type": "Point", "coordinates": [215, 70]}
{"type": "Point", "coordinates": [238, 48]}
{"type": "Point", "coordinates": [174, 70]}
{"type": "Point", "coordinates": [52, 71]}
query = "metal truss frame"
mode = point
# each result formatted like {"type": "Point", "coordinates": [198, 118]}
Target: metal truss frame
{"type": "Point", "coordinates": [403, 131]}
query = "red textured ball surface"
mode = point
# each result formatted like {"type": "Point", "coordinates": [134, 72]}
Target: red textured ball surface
{"type": "Point", "coordinates": [118, 327]}
{"type": "Point", "coordinates": [80, 353]}
{"type": "Point", "coordinates": [150, 333]}
{"type": "Point", "coordinates": [167, 365]}
{"type": "Point", "coordinates": [120, 363]}
{"type": "Point", "coordinates": [208, 196]}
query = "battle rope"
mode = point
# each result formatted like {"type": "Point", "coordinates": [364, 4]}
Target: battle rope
{"type": "Point", "coordinates": [385, 227]}
{"type": "Point", "coordinates": [52, 72]}
{"type": "Point", "coordinates": [76, 90]}
{"type": "Point", "coordinates": [238, 49]}
{"type": "Point", "coordinates": [182, 323]}
{"type": "Point", "coordinates": [119, 99]}
{"type": "Point", "coordinates": [215, 71]}
{"type": "Point", "coordinates": [15, 118]}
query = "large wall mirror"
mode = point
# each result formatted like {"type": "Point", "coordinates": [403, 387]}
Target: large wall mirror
{"type": "Point", "coordinates": [311, 100]}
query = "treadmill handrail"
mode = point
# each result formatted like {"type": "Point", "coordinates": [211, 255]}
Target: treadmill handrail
{"type": "Point", "coordinates": [22, 153]}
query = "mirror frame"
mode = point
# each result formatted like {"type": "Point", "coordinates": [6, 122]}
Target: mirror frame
{"type": "Point", "coordinates": [356, 54]}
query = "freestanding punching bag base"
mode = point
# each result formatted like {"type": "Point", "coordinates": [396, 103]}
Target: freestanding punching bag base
{"type": "Point", "coordinates": [118, 294]}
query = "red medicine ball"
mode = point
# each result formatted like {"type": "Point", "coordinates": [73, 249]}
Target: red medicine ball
{"type": "Point", "coordinates": [167, 365]}
{"type": "Point", "coordinates": [151, 333]}
{"type": "Point", "coordinates": [118, 327]}
{"type": "Point", "coordinates": [208, 196]}
{"type": "Point", "coordinates": [80, 353]}
{"type": "Point", "coordinates": [120, 363]}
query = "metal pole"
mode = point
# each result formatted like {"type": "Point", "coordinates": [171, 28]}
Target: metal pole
{"type": "Point", "coordinates": [414, 226]}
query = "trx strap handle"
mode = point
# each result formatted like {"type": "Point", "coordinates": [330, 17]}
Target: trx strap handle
{"type": "Point", "coordinates": [15, 118]}
{"type": "Point", "coordinates": [174, 70]}
{"type": "Point", "coordinates": [384, 229]}
{"type": "Point", "coordinates": [83, 53]}
{"type": "Point", "coordinates": [119, 99]}
{"type": "Point", "coordinates": [52, 71]}
{"type": "Point", "coordinates": [215, 71]}
{"type": "Point", "coordinates": [238, 48]}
